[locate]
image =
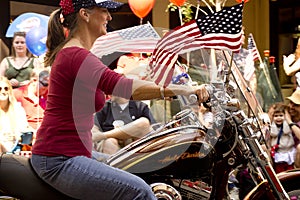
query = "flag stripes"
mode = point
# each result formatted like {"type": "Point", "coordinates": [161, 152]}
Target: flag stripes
{"type": "Point", "coordinates": [138, 39]}
{"type": "Point", "coordinates": [221, 30]}
{"type": "Point", "coordinates": [252, 48]}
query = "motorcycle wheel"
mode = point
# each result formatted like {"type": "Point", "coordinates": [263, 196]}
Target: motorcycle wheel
{"type": "Point", "coordinates": [7, 198]}
{"type": "Point", "coordinates": [290, 180]}
{"type": "Point", "coordinates": [294, 195]}
{"type": "Point", "coordinates": [293, 192]}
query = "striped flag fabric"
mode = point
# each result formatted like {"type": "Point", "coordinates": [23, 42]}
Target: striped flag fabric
{"type": "Point", "coordinates": [252, 48]}
{"type": "Point", "coordinates": [220, 30]}
{"type": "Point", "coordinates": [137, 39]}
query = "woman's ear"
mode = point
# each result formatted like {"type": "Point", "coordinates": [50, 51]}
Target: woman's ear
{"type": "Point", "coordinates": [84, 15]}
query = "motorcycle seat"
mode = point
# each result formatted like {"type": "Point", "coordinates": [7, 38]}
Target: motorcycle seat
{"type": "Point", "coordinates": [19, 180]}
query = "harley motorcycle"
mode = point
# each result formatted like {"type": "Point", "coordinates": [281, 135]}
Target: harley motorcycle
{"type": "Point", "coordinates": [187, 158]}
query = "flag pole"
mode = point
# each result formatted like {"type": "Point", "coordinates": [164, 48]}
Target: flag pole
{"type": "Point", "coordinates": [180, 15]}
{"type": "Point", "coordinates": [213, 52]}
{"type": "Point", "coordinates": [197, 9]}
{"type": "Point", "coordinates": [229, 69]}
{"type": "Point", "coordinates": [259, 57]}
{"type": "Point", "coordinates": [261, 65]}
{"type": "Point", "coordinates": [209, 7]}
{"type": "Point", "coordinates": [181, 23]}
{"type": "Point", "coordinates": [218, 6]}
{"type": "Point", "coordinates": [223, 4]}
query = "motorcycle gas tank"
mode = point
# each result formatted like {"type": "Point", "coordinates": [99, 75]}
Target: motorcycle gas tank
{"type": "Point", "coordinates": [180, 152]}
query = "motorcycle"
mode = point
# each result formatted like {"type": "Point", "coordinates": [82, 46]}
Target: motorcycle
{"type": "Point", "coordinates": [186, 158]}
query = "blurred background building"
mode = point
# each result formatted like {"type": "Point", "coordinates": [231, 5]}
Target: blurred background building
{"type": "Point", "coordinates": [275, 24]}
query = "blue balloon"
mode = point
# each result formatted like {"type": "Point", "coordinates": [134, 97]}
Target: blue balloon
{"type": "Point", "coordinates": [36, 40]}
{"type": "Point", "coordinates": [27, 21]}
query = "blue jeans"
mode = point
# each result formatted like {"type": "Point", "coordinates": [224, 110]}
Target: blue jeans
{"type": "Point", "coordinates": [85, 178]}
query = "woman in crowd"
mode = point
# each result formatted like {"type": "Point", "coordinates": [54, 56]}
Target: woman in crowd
{"type": "Point", "coordinates": [12, 118]}
{"type": "Point", "coordinates": [78, 81]}
{"type": "Point", "coordinates": [19, 66]}
{"type": "Point", "coordinates": [291, 65]}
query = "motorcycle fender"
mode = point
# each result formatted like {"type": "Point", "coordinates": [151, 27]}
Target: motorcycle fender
{"type": "Point", "coordinates": [290, 180]}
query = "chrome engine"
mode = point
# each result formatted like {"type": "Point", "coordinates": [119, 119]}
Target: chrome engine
{"type": "Point", "coordinates": [164, 191]}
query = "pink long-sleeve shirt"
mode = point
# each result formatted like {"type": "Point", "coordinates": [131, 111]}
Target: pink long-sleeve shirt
{"type": "Point", "coordinates": [77, 85]}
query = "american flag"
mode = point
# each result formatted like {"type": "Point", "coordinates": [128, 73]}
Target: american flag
{"type": "Point", "coordinates": [252, 48]}
{"type": "Point", "coordinates": [220, 30]}
{"type": "Point", "coordinates": [138, 39]}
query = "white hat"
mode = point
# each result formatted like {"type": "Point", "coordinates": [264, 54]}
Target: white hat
{"type": "Point", "coordinates": [295, 97]}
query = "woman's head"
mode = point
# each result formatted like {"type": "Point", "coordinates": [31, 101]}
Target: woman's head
{"type": "Point", "coordinates": [91, 15]}
{"type": "Point", "coordinates": [8, 104]}
{"type": "Point", "coordinates": [6, 91]}
{"type": "Point", "coordinates": [19, 47]}
{"type": "Point", "coordinates": [73, 6]}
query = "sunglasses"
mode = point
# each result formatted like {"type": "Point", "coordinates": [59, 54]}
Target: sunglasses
{"type": "Point", "coordinates": [4, 88]}
{"type": "Point", "coordinates": [44, 83]}
{"type": "Point", "coordinates": [43, 80]}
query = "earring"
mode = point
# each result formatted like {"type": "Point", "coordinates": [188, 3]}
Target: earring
{"type": "Point", "coordinates": [87, 20]}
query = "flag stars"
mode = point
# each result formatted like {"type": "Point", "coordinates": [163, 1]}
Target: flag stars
{"type": "Point", "coordinates": [218, 23]}
{"type": "Point", "coordinates": [228, 20]}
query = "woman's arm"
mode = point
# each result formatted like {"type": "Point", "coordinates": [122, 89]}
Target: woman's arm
{"type": "Point", "coordinates": [3, 67]}
{"type": "Point", "coordinates": [290, 67]}
{"type": "Point", "coordinates": [145, 90]}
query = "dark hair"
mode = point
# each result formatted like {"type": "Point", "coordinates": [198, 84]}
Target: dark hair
{"type": "Point", "coordinates": [278, 108]}
{"type": "Point", "coordinates": [18, 34]}
{"type": "Point", "coordinates": [56, 38]}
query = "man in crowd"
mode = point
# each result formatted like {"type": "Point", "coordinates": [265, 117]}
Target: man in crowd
{"type": "Point", "coordinates": [33, 97]}
{"type": "Point", "coordinates": [294, 121]}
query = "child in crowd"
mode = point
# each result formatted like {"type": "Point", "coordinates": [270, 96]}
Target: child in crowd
{"type": "Point", "coordinates": [281, 139]}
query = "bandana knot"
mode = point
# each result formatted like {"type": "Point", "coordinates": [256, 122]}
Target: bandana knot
{"type": "Point", "coordinates": [67, 7]}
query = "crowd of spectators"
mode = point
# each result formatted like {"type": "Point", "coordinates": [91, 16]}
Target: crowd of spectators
{"type": "Point", "coordinates": [23, 96]}
{"type": "Point", "coordinates": [25, 86]}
